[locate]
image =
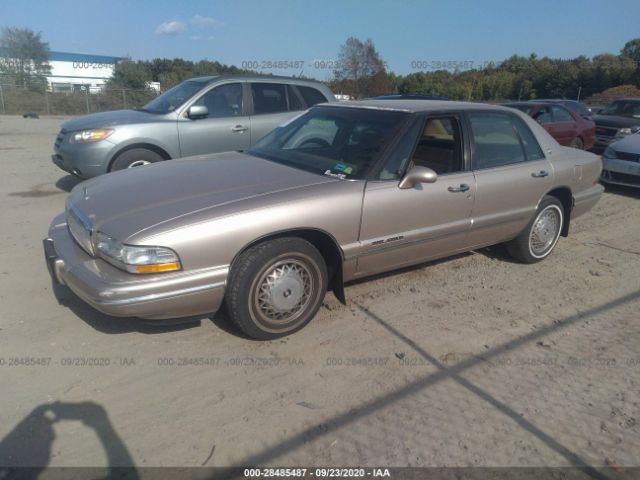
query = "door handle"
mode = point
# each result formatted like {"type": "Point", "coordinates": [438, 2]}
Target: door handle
{"type": "Point", "coordinates": [540, 174]}
{"type": "Point", "coordinates": [239, 128]}
{"type": "Point", "coordinates": [462, 188]}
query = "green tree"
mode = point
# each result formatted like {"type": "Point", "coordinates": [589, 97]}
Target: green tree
{"type": "Point", "coordinates": [631, 50]}
{"type": "Point", "coordinates": [24, 58]}
{"type": "Point", "coordinates": [131, 75]}
{"type": "Point", "coordinates": [361, 71]}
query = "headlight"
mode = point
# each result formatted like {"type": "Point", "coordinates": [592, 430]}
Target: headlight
{"type": "Point", "coordinates": [628, 131]}
{"type": "Point", "coordinates": [609, 153]}
{"type": "Point", "coordinates": [136, 259]}
{"type": "Point", "coordinates": [88, 136]}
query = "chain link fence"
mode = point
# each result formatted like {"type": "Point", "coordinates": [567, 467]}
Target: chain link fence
{"type": "Point", "coordinates": [15, 100]}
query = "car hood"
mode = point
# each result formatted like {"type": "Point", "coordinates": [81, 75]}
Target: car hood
{"type": "Point", "coordinates": [127, 202]}
{"type": "Point", "coordinates": [629, 144]}
{"type": "Point", "coordinates": [615, 121]}
{"type": "Point", "coordinates": [110, 119]}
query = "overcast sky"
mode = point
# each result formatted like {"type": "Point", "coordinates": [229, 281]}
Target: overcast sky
{"type": "Point", "coordinates": [406, 32]}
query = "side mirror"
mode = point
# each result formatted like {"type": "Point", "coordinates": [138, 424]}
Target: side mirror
{"type": "Point", "coordinates": [197, 111]}
{"type": "Point", "coordinates": [417, 175]}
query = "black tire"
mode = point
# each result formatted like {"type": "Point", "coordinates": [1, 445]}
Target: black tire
{"type": "Point", "coordinates": [530, 247]}
{"type": "Point", "coordinates": [577, 143]}
{"type": "Point", "coordinates": [134, 158]}
{"type": "Point", "coordinates": [255, 296]}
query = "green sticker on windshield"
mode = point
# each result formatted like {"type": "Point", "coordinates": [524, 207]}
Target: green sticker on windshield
{"type": "Point", "coordinates": [341, 167]}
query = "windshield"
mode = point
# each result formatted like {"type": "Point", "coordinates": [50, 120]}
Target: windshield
{"type": "Point", "coordinates": [334, 141]}
{"type": "Point", "coordinates": [622, 109]}
{"type": "Point", "coordinates": [174, 97]}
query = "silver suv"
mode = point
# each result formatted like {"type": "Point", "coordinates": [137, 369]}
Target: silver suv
{"type": "Point", "coordinates": [199, 116]}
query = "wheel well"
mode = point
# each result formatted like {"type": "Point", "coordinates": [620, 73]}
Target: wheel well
{"type": "Point", "coordinates": [146, 146]}
{"type": "Point", "coordinates": [326, 245]}
{"type": "Point", "coordinates": [566, 198]}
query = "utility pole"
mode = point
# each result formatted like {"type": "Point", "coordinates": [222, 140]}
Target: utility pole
{"type": "Point", "coordinates": [124, 99]}
{"type": "Point", "coordinates": [86, 98]}
{"type": "Point", "coordinates": [579, 91]}
{"type": "Point", "coordinates": [2, 99]}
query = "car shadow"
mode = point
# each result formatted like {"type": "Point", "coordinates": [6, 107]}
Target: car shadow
{"type": "Point", "coordinates": [116, 325]}
{"type": "Point", "coordinates": [67, 182]}
{"type": "Point", "coordinates": [622, 190]}
{"type": "Point", "coordinates": [498, 252]}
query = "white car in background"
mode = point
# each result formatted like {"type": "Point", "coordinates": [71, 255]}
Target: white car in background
{"type": "Point", "coordinates": [621, 162]}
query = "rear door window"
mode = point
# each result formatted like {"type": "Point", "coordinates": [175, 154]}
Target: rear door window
{"type": "Point", "coordinates": [560, 115]}
{"type": "Point", "coordinates": [496, 139]}
{"type": "Point", "coordinates": [268, 98]}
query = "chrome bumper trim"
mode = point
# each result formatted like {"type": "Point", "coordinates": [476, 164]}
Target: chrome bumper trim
{"type": "Point", "coordinates": [160, 296]}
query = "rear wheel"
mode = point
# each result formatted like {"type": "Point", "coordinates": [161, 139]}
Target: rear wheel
{"type": "Point", "coordinates": [136, 157]}
{"type": "Point", "coordinates": [538, 239]}
{"type": "Point", "coordinates": [276, 288]}
{"type": "Point", "coordinates": [577, 143]}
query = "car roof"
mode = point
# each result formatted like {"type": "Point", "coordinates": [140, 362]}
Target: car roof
{"type": "Point", "coordinates": [245, 77]}
{"type": "Point", "coordinates": [416, 106]}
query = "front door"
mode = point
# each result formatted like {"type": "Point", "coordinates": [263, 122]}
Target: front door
{"type": "Point", "coordinates": [406, 226]}
{"type": "Point", "coordinates": [225, 128]}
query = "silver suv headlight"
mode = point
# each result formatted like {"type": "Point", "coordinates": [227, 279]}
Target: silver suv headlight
{"type": "Point", "coordinates": [135, 259]}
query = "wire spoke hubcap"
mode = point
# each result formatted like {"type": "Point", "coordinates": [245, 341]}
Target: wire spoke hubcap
{"type": "Point", "coordinates": [284, 291]}
{"type": "Point", "coordinates": [545, 231]}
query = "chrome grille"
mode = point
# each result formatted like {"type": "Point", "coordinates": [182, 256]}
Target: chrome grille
{"type": "Point", "coordinates": [80, 228]}
{"type": "Point", "coordinates": [606, 131]}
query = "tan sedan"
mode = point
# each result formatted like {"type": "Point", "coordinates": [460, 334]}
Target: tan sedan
{"type": "Point", "coordinates": [341, 192]}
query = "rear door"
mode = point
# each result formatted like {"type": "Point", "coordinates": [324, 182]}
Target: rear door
{"type": "Point", "coordinates": [511, 174]}
{"type": "Point", "coordinates": [403, 227]}
{"type": "Point", "coordinates": [227, 126]}
{"type": "Point", "coordinates": [272, 105]}
{"type": "Point", "coordinates": [564, 125]}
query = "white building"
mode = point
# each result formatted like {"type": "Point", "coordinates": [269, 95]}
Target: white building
{"type": "Point", "coordinates": [79, 71]}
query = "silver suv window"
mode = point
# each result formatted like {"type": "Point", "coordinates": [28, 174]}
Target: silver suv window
{"type": "Point", "coordinates": [223, 101]}
{"type": "Point", "coordinates": [269, 98]}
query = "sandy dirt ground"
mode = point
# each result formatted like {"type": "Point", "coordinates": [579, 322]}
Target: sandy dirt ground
{"type": "Point", "coordinates": [470, 361]}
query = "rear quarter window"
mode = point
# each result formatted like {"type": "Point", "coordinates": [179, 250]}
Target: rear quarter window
{"type": "Point", "coordinates": [311, 95]}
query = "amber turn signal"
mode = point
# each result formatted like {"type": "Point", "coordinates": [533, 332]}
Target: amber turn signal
{"type": "Point", "coordinates": [162, 267]}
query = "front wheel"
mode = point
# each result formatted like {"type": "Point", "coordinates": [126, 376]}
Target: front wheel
{"type": "Point", "coordinates": [537, 240]}
{"type": "Point", "coordinates": [275, 288]}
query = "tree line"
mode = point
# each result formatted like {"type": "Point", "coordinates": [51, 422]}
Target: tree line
{"type": "Point", "coordinates": [361, 72]}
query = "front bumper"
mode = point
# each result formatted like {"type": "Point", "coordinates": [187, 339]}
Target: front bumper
{"type": "Point", "coordinates": [121, 294]}
{"type": "Point", "coordinates": [83, 160]}
{"type": "Point", "coordinates": [620, 172]}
